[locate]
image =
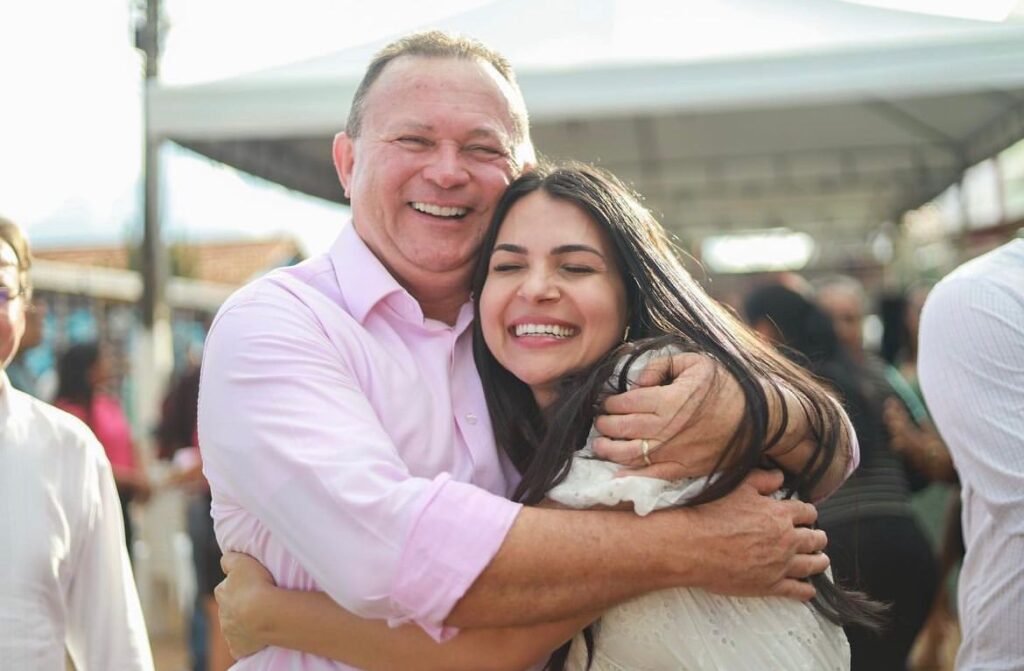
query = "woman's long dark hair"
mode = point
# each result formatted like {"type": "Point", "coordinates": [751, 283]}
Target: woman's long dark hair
{"type": "Point", "coordinates": [73, 368]}
{"type": "Point", "coordinates": [666, 305]}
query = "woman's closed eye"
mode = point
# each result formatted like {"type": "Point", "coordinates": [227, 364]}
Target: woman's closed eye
{"type": "Point", "coordinates": [506, 267]}
{"type": "Point", "coordinates": [578, 269]}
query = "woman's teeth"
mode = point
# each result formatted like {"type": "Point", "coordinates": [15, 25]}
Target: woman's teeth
{"type": "Point", "coordinates": [545, 330]}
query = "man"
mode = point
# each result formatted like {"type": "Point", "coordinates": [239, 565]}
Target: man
{"type": "Point", "coordinates": [20, 371]}
{"type": "Point", "coordinates": [971, 367]}
{"type": "Point", "coordinates": [911, 432]}
{"type": "Point", "coordinates": [343, 425]}
{"type": "Point", "coordinates": [67, 582]}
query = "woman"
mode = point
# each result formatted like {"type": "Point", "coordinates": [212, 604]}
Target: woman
{"type": "Point", "coordinates": [875, 541]}
{"type": "Point", "coordinates": [571, 268]}
{"type": "Point", "coordinates": [83, 371]}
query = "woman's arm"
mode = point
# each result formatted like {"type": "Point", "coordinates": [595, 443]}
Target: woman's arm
{"type": "Point", "coordinates": [797, 445]}
{"type": "Point", "coordinates": [255, 613]}
{"type": "Point", "coordinates": [689, 421]}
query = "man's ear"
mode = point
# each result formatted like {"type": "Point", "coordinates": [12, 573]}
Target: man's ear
{"type": "Point", "coordinates": [344, 153]}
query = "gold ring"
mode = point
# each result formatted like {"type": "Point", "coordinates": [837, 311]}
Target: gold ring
{"type": "Point", "coordinates": [645, 449]}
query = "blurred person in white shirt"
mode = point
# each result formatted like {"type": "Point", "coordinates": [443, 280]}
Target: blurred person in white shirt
{"type": "Point", "coordinates": [971, 368]}
{"type": "Point", "coordinates": [66, 585]}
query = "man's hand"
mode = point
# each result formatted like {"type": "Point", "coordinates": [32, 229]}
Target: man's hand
{"type": "Point", "coordinates": [686, 423]}
{"type": "Point", "coordinates": [752, 545]}
{"type": "Point", "coordinates": [238, 597]}
{"type": "Point", "coordinates": [921, 445]}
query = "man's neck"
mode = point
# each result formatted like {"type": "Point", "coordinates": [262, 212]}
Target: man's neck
{"type": "Point", "coordinates": [442, 304]}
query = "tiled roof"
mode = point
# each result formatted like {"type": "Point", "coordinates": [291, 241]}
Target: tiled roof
{"type": "Point", "coordinates": [226, 262]}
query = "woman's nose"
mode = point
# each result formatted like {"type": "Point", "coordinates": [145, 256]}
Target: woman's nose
{"type": "Point", "coordinates": [539, 286]}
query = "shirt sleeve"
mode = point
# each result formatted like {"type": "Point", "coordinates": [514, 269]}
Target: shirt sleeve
{"type": "Point", "coordinates": [971, 367]}
{"type": "Point", "coordinates": [105, 625]}
{"type": "Point", "coordinates": [288, 434]}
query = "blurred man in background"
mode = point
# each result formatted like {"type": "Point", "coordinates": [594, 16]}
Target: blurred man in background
{"type": "Point", "coordinates": [67, 582]}
{"type": "Point", "coordinates": [972, 373]}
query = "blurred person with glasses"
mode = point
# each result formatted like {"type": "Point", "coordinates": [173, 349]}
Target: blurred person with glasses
{"type": "Point", "coordinates": [67, 583]}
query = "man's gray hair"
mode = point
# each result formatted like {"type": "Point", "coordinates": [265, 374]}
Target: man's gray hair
{"type": "Point", "coordinates": [438, 44]}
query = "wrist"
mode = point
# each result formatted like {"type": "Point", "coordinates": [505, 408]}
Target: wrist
{"type": "Point", "coordinates": [796, 429]}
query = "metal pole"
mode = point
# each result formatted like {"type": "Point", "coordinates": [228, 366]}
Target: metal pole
{"type": "Point", "coordinates": [154, 262]}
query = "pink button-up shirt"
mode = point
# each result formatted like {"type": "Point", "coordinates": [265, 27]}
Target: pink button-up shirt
{"type": "Point", "coordinates": [347, 443]}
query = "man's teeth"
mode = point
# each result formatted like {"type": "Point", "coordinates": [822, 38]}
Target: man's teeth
{"type": "Point", "coordinates": [439, 211]}
{"type": "Point", "coordinates": [545, 330]}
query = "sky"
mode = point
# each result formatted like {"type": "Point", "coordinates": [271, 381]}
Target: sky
{"type": "Point", "coordinates": [70, 120]}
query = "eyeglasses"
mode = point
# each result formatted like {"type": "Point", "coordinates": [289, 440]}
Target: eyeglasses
{"type": "Point", "coordinates": [8, 294]}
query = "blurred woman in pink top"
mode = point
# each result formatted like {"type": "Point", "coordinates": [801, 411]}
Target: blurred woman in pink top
{"type": "Point", "coordinates": [84, 370]}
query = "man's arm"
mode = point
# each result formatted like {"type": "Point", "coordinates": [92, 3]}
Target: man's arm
{"type": "Point", "coordinates": [557, 563]}
{"type": "Point", "coordinates": [254, 614]}
{"type": "Point", "coordinates": [288, 434]}
{"type": "Point", "coordinates": [105, 627]}
{"type": "Point", "coordinates": [971, 368]}
{"type": "Point", "coordinates": [688, 423]}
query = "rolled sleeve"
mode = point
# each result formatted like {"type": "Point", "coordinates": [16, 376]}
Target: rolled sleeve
{"type": "Point", "coordinates": [289, 436]}
{"type": "Point", "coordinates": [440, 559]}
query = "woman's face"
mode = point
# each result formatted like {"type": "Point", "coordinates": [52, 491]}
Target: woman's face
{"type": "Point", "coordinates": [554, 301]}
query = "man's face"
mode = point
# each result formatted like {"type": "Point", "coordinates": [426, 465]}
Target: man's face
{"type": "Point", "coordinates": [434, 154]}
{"type": "Point", "coordinates": [847, 314]}
{"type": "Point", "coordinates": [12, 315]}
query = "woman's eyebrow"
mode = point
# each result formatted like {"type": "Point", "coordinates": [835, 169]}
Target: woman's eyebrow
{"type": "Point", "coordinates": [568, 249]}
{"type": "Point", "coordinates": [508, 247]}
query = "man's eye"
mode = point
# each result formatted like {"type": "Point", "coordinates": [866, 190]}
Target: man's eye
{"type": "Point", "coordinates": [484, 150]}
{"type": "Point", "coordinates": [413, 141]}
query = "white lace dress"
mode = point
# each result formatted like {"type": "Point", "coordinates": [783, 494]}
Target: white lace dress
{"type": "Point", "coordinates": [691, 629]}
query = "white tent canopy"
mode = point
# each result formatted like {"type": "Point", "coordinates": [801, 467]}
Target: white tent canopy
{"type": "Point", "coordinates": [820, 115]}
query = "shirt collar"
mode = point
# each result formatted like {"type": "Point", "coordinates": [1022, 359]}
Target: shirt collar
{"type": "Point", "coordinates": [362, 278]}
{"type": "Point", "coordinates": [364, 282]}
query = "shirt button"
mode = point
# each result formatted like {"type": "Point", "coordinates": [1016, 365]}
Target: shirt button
{"type": "Point", "coordinates": [471, 418]}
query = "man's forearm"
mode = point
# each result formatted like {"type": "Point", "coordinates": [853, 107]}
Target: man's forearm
{"type": "Point", "coordinates": [548, 568]}
{"type": "Point", "coordinates": [555, 564]}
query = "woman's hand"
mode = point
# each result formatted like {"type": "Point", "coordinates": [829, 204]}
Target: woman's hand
{"type": "Point", "coordinates": [670, 418]}
{"type": "Point", "coordinates": [241, 598]}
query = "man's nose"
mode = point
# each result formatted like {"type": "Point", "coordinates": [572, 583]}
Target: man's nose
{"type": "Point", "coordinates": [446, 167]}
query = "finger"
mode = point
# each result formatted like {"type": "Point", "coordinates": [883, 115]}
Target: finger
{"type": "Point", "coordinates": [669, 470]}
{"type": "Point", "coordinates": [625, 452]}
{"type": "Point", "coordinates": [765, 482]}
{"type": "Point", "coordinates": [804, 566]}
{"type": "Point", "coordinates": [803, 514]}
{"type": "Point", "coordinates": [664, 367]}
{"type": "Point", "coordinates": [811, 541]}
{"type": "Point", "coordinates": [229, 560]}
{"type": "Point", "coordinates": [639, 400]}
{"type": "Point", "coordinates": [629, 427]}
{"type": "Point", "coordinates": [218, 592]}
{"type": "Point", "coordinates": [794, 589]}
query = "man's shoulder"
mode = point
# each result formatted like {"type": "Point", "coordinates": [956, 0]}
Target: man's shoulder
{"type": "Point", "coordinates": [995, 279]}
{"type": "Point", "coordinates": [54, 429]}
{"type": "Point", "coordinates": [306, 289]}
